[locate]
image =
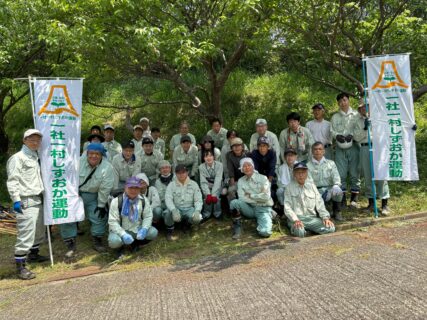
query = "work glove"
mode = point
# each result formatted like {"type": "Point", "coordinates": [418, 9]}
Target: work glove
{"type": "Point", "coordinates": [367, 124]}
{"type": "Point", "coordinates": [197, 217]}
{"type": "Point", "coordinates": [336, 190]}
{"type": "Point", "coordinates": [17, 207]}
{"type": "Point", "coordinates": [102, 212]}
{"type": "Point", "coordinates": [176, 216]}
{"type": "Point", "coordinates": [414, 127]}
{"type": "Point", "coordinates": [340, 138]}
{"type": "Point", "coordinates": [127, 238]}
{"type": "Point", "coordinates": [142, 233]}
{"type": "Point", "coordinates": [348, 138]}
{"type": "Point", "coordinates": [214, 199]}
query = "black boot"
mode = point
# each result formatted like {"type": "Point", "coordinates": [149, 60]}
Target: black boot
{"type": "Point", "coordinates": [170, 236]}
{"type": "Point", "coordinates": [237, 228]}
{"type": "Point", "coordinates": [71, 247]}
{"type": "Point", "coordinates": [34, 256]}
{"type": "Point", "coordinates": [353, 200]}
{"type": "Point", "coordinates": [23, 272]}
{"type": "Point", "coordinates": [370, 207]}
{"type": "Point", "coordinates": [97, 245]}
{"type": "Point", "coordinates": [385, 211]}
{"type": "Point", "coordinates": [344, 200]}
{"type": "Point", "coordinates": [336, 211]}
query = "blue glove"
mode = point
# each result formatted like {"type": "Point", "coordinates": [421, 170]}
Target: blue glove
{"type": "Point", "coordinates": [17, 207]}
{"type": "Point", "coordinates": [142, 233]}
{"type": "Point", "coordinates": [127, 238]}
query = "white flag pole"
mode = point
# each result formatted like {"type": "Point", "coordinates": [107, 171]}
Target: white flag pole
{"type": "Point", "coordinates": [30, 81]}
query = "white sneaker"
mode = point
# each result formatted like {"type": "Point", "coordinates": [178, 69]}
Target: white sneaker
{"type": "Point", "coordinates": [354, 205]}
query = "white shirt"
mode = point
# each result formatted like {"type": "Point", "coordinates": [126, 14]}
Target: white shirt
{"type": "Point", "coordinates": [321, 131]}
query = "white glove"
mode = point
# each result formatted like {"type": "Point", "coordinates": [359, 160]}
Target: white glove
{"type": "Point", "coordinates": [336, 190]}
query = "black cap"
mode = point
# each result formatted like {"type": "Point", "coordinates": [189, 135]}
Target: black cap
{"type": "Point", "coordinates": [96, 127]}
{"type": "Point", "coordinates": [300, 165]}
{"type": "Point", "coordinates": [101, 138]}
{"type": "Point", "coordinates": [318, 106]}
{"type": "Point", "coordinates": [128, 144]}
{"type": "Point", "coordinates": [185, 138]}
{"type": "Point", "coordinates": [180, 168]}
{"type": "Point", "coordinates": [147, 140]}
{"type": "Point", "coordinates": [290, 150]}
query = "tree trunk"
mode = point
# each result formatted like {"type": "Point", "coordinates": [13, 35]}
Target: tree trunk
{"type": "Point", "coordinates": [4, 139]}
{"type": "Point", "coordinates": [215, 108]}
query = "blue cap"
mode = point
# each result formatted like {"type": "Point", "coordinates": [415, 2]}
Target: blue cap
{"type": "Point", "coordinates": [133, 182]}
{"type": "Point", "coordinates": [96, 146]}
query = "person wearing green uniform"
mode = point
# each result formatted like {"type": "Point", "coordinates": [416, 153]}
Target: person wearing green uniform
{"type": "Point", "coordinates": [126, 164]}
{"type": "Point", "coordinates": [159, 143]}
{"type": "Point", "coordinates": [254, 200]}
{"type": "Point", "coordinates": [112, 147]}
{"type": "Point", "coordinates": [152, 195]}
{"type": "Point", "coordinates": [183, 200]}
{"type": "Point", "coordinates": [25, 186]}
{"type": "Point", "coordinates": [176, 139]}
{"type": "Point", "coordinates": [284, 174]}
{"type": "Point", "coordinates": [218, 133]}
{"type": "Point", "coordinates": [346, 152]}
{"type": "Point", "coordinates": [187, 155]}
{"type": "Point", "coordinates": [137, 139]}
{"type": "Point", "coordinates": [325, 176]}
{"type": "Point", "coordinates": [94, 130]}
{"type": "Point", "coordinates": [296, 137]}
{"type": "Point", "coordinates": [150, 159]}
{"type": "Point", "coordinates": [381, 187]}
{"type": "Point", "coordinates": [131, 223]}
{"type": "Point", "coordinates": [303, 203]}
{"type": "Point", "coordinates": [164, 179]}
{"type": "Point", "coordinates": [261, 131]}
{"type": "Point", "coordinates": [96, 180]}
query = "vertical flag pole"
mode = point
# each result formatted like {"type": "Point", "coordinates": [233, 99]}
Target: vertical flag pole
{"type": "Point", "coordinates": [30, 82]}
{"type": "Point", "coordinates": [371, 161]}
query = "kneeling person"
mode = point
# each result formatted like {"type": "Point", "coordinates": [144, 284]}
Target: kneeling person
{"type": "Point", "coordinates": [130, 218]}
{"type": "Point", "coordinates": [254, 200]}
{"type": "Point", "coordinates": [303, 202]}
{"type": "Point", "coordinates": [183, 199]}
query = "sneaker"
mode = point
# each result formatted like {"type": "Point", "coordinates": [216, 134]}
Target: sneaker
{"type": "Point", "coordinates": [354, 205]}
{"type": "Point", "coordinates": [385, 211]}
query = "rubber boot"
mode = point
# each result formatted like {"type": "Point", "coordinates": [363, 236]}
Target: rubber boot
{"type": "Point", "coordinates": [385, 211]}
{"type": "Point", "coordinates": [98, 246]}
{"type": "Point", "coordinates": [23, 272]}
{"type": "Point", "coordinates": [71, 247]}
{"type": "Point", "coordinates": [237, 228]}
{"type": "Point", "coordinates": [353, 200]}
{"type": "Point", "coordinates": [34, 256]}
{"type": "Point", "coordinates": [336, 211]}
{"type": "Point", "coordinates": [170, 236]}
{"type": "Point", "coordinates": [370, 207]}
{"type": "Point", "coordinates": [344, 200]}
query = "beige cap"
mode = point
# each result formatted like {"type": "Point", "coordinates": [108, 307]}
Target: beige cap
{"type": "Point", "coordinates": [30, 132]}
{"type": "Point", "coordinates": [236, 141]}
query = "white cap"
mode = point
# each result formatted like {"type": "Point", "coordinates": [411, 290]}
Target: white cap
{"type": "Point", "coordinates": [246, 160]}
{"type": "Point", "coordinates": [108, 126]}
{"type": "Point", "coordinates": [260, 122]}
{"type": "Point", "coordinates": [143, 177]}
{"type": "Point", "coordinates": [30, 132]}
{"type": "Point", "coordinates": [144, 119]}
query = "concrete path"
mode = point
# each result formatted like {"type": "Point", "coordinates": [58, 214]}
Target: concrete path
{"type": "Point", "coordinates": [376, 274]}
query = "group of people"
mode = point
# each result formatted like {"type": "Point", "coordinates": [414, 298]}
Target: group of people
{"type": "Point", "coordinates": [130, 187]}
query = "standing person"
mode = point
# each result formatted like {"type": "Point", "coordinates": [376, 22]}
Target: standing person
{"type": "Point", "coordinates": [159, 143]}
{"type": "Point", "coordinates": [206, 144]}
{"type": "Point", "coordinates": [264, 159]}
{"type": "Point", "coordinates": [183, 200]}
{"type": "Point", "coordinates": [125, 165]}
{"type": "Point", "coordinates": [137, 139]}
{"type": "Point", "coordinates": [303, 205]}
{"type": "Point", "coordinates": [261, 131]}
{"type": "Point", "coordinates": [112, 147]}
{"type": "Point", "coordinates": [165, 177]}
{"type": "Point", "coordinates": [218, 133]}
{"type": "Point", "coordinates": [233, 157]}
{"type": "Point", "coordinates": [25, 186]}
{"type": "Point", "coordinates": [226, 148]}
{"type": "Point", "coordinates": [321, 129]}
{"type": "Point", "coordinates": [184, 130]}
{"type": "Point", "coordinates": [211, 173]}
{"type": "Point", "coordinates": [381, 187]}
{"type": "Point", "coordinates": [346, 152]}
{"type": "Point", "coordinates": [187, 155]}
{"type": "Point", "coordinates": [325, 176]}
{"type": "Point", "coordinates": [130, 219]}
{"type": "Point", "coordinates": [254, 201]}
{"type": "Point", "coordinates": [150, 159]}
{"type": "Point", "coordinates": [144, 123]}
{"type": "Point", "coordinates": [285, 174]}
{"type": "Point", "coordinates": [93, 130]}
{"type": "Point", "coordinates": [152, 195]}
{"type": "Point", "coordinates": [96, 180]}
{"type": "Point", "coordinates": [296, 137]}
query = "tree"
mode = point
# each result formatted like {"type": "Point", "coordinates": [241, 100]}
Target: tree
{"type": "Point", "coordinates": [319, 36]}
{"type": "Point", "coordinates": [171, 40]}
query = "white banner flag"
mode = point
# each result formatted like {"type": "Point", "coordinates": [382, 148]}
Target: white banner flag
{"type": "Point", "coordinates": [391, 111]}
{"type": "Point", "coordinates": [57, 112]}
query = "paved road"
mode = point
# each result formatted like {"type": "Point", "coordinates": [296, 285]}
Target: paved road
{"type": "Point", "coordinates": [378, 274]}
